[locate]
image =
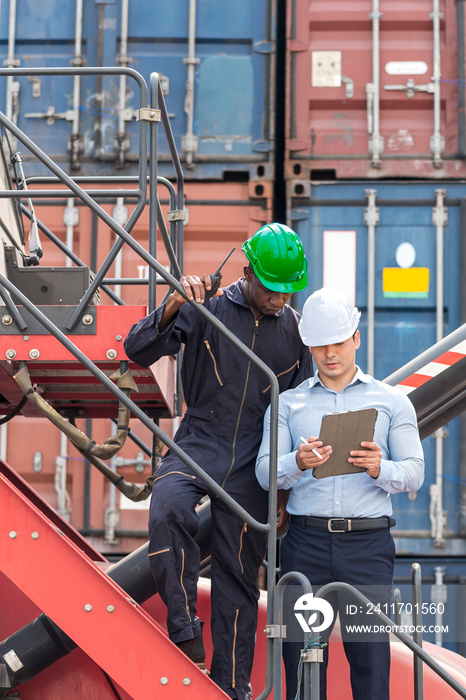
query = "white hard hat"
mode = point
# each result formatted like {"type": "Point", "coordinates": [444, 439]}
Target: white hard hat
{"type": "Point", "coordinates": [328, 317]}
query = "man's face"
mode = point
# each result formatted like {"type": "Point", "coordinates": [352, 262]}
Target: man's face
{"type": "Point", "coordinates": [337, 363]}
{"type": "Point", "coordinates": [263, 299]}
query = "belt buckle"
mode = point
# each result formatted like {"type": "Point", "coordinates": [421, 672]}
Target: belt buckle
{"type": "Point", "coordinates": [331, 521]}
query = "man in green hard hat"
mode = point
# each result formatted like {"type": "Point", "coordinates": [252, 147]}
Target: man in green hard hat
{"type": "Point", "coordinates": [226, 397]}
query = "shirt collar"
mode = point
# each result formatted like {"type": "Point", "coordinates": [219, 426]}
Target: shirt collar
{"type": "Point", "coordinates": [234, 293]}
{"type": "Point", "coordinates": [358, 377]}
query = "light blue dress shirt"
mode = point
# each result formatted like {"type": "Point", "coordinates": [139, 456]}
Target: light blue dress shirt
{"type": "Point", "coordinates": [348, 495]}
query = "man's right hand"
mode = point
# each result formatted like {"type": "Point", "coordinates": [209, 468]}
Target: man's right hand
{"type": "Point", "coordinates": [195, 288]}
{"type": "Point", "coordinates": [306, 457]}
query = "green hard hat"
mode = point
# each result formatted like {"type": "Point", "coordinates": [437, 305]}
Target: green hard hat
{"type": "Point", "coordinates": [277, 257]}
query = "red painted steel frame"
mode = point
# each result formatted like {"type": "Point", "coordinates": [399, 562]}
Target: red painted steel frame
{"type": "Point", "coordinates": [117, 633]}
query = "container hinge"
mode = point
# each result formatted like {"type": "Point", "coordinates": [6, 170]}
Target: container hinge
{"type": "Point", "coordinates": [298, 46]}
{"type": "Point", "coordinates": [264, 47]}
{"type": "Point", "coordinates": [299, 215]}
{"type": "Point", "coordinates": [146, 114]}
{"type": "Point", "coordinates": [275, 631]}
{"type": "Point", "coordinates": [177, 215]}
{"type": "Point", "coordinates": [262, 146]}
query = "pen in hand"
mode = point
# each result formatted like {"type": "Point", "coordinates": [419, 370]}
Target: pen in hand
{"type": "Point", "coordinates": [317, 454]}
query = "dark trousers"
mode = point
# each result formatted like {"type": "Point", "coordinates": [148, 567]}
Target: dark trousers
{"type": "Point", "coordinates": [364, 559]}
{"type": "Point", "coordinates": [236, 554]}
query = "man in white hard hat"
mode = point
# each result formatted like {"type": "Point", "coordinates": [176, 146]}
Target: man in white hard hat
{"type": "Point", "coordinates": [340, 525]}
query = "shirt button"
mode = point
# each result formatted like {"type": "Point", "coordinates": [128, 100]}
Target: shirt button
{"type": "Point", "coordinates": [337, 503]}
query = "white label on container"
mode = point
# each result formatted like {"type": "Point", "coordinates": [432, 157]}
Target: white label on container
{"type": "Point", "coordinates": [339, 262]}
{"type": "Point", "coordinates": [13, 660]}
{"type": "Point", "coordinates": [326, 69]}
{"type": "Point", "coordinates": [406, 67]}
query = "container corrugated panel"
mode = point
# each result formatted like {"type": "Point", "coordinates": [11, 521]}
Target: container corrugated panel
{"type": "Point", "coordinates": [348, 118]}
{"type": "Point", "coordinates": [221, 216]}
{"type": "Point", "coordinates": [332, 225]}
{"type": "Point", "coordinates": [225, 122]}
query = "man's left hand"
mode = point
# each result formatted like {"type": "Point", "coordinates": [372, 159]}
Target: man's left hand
{"type": "Point", "coordinates": [369, 458]}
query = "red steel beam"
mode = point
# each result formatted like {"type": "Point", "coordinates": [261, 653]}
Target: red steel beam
{"type": "Point", "coordinates": [90, 608]}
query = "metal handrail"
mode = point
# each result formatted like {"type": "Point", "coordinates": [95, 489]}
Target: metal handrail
{"type": "Point", "coordinates": [406, 639]}
{"type": "Point", "coordinates": [420, 655]}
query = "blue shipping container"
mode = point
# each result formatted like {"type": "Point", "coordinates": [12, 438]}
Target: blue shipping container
{"type": "Point", "coordinates": [404, 217]}
{"type": "Point", "coordinates": [216, 61]}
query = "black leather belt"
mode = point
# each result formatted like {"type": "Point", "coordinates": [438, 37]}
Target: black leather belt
{"type": "Point", "coordinates": [343, 524]}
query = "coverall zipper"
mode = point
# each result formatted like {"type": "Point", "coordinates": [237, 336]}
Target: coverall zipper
{"type": "Point", "coordinates": [181, 581]}
{"type": "Point", "coordinates": [256, 321]}
{"type": "Point", "coordinates": [243, 530]}
{"type": "Point", "coordinates": [296, 364]}
{"type": "Point", "coordinates": [233, 675]}
{"type": "Point", "coordinates": [214, 361]}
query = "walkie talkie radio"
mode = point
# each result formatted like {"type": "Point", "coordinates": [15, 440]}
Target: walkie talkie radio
{"type": "Point", "coordinates": [215, 279]}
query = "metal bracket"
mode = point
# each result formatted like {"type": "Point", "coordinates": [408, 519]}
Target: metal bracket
{"type": "Point", "coordinates": [51, 116]}
{"type": "Point", "coordinates": [275, 631]}
{"type": "Point", "coordinates": [146, 114]}
{"type": "Point", "coordinates": [313, 656]}
{"type": "Point", "coordinates": [35, 85]}
{"type": "Point", "coordinates": [411, 88]}
{"type": "Point", "coordinates": [440, 212]}
{"type": "Point", "coordinates": [371, 212]}
{"type": "Point", "coordinates": [349, 87]}
{"type": "Point", "coordinates": [191, 61]}
{"type": "Point", "coordinates": [177, 215]}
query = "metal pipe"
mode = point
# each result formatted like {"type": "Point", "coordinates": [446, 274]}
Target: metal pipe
{"type": "Point", "coordinates": [427, 356]}
{"type": "Point", "coordinates": [123, 60]}
{"type": "Point", "coordinates": [437, 142]}
{"type": "Point", "coordinates": [439, 595]}
{"type": "Point", "coordinates": [376, 140]}
{"type": "Point", "coordinates": [70, 218]}
{"type": "Point", "coordinates": [462, 420]}
{"type": "Point", "coordinates": [61, 467]}
{"type": "Point", "coordinates": [405, 638]}
{"type": "Point", "coordinates": [440, 219]}
{"type": "Point", "coordinates": [189, 140]}
{"type": "Point", "coordinates": [112, 513]}
{"type": "Point", "coordinates": [416, 590]}
{"type": "Point", "coordinates": [77, 61]}
{"type": "Point", "coordinates": [274, 674]}
{"type": "Point", "coordinates": [154, 205]}
{"type": "Point", "coordinates": [371, 219]}
{"type": "Point", "coordinates": [12, 86]}
{"type": "Point", "coordinates": [120, 214]}
{"type": "Point", "coordinates": [461, 78]}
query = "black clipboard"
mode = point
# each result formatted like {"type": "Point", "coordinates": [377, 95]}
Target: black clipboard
{"type": "Point", "coordinates": [344, 432]}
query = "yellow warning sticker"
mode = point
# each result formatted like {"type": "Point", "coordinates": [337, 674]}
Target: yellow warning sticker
{"type": "Point", "coordinates": [406, 282]}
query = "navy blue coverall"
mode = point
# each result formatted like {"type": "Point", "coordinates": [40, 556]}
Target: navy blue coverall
{"type": "Point", "coordinates": [226, 397]}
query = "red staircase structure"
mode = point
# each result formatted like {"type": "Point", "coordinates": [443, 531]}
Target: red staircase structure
{"type": "Point", "coordinates": [62, 581]}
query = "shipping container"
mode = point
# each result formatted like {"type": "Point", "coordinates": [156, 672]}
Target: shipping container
{"type": "Point", "coordinates": [220, 217]}
{"type": "Point", "coordinates": [216, 63]}
{"type": "Point", "coordinates": [375, 89]}
{"type": "Point", "coordinates": [396, 250]}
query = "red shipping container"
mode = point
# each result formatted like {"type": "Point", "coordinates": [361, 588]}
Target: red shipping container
{"type": "Point", "coordinates": [375, 88]}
